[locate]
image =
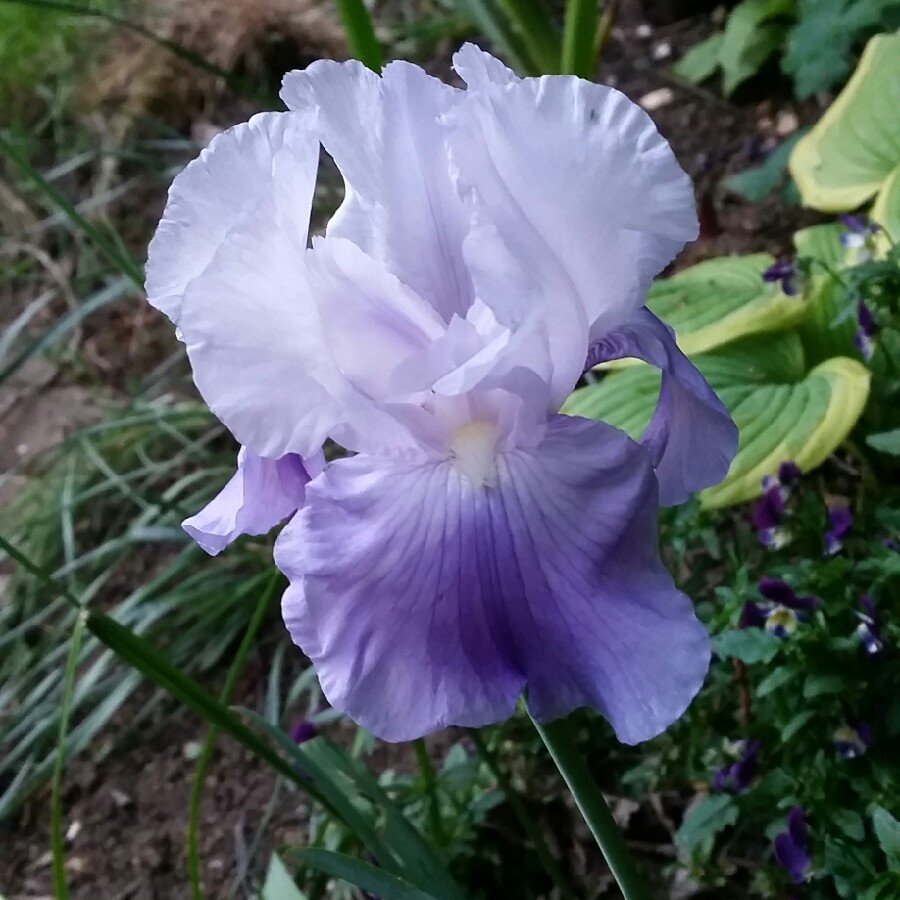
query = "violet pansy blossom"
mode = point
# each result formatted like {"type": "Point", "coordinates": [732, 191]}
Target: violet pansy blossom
{"type": "Point", "coordinates": [791, 846]}
{"type": "Point", "coordinates": [492, 242]}
{"type": "Point", "coordinates": [839, 520]}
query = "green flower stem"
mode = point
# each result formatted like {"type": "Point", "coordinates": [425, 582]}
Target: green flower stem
{"type": "Point", "coordinates": [558, 740]}
{"type": "Point", "coordinates": [551, 866]}
{"type": "Point", "coordinates": [429, 782]}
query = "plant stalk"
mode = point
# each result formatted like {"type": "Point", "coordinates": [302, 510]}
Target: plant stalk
{"type": "Point", "coordinates": [558, 739]}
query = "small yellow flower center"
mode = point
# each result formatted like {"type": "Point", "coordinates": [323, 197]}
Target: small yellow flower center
{"type": "Point", "coordinates": [473, 452]}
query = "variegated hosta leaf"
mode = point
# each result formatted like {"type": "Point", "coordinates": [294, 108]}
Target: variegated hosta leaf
{"type": "Point", "coordinates": [855, 147]}
{"type": "Point", "coordinates": [886, 209]}
{"type": "Point", "coordinates": [720, 300]}
{"type": "Point", "coordinates": [782, 411]}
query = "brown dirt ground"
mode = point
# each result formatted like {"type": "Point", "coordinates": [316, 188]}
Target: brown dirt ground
{"type": "Point", "coordinates": [126, 815]}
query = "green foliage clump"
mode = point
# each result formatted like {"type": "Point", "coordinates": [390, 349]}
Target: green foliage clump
{"type": "Point", "coordinates": [799, 30]}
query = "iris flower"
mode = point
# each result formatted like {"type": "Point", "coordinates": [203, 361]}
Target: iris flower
{"type": "Point", "coordinates": [492, 243]}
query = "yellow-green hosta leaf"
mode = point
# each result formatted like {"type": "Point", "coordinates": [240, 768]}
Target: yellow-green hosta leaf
{"type": "Point", "coordinates": [720, 300]}
{"type": "Point", "coordinates": [782, 411]}
{"type": "Point", "coordinates": [886, 209]}
{"type": "Point", "coordinates": [855, 146]}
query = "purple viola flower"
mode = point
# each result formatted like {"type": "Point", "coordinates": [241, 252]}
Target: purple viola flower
{"type": "Point", "coordinates": [789, 473]}
{"type": "Point", "coordinates": [851, 741]}
{"type": "Point", "coordinates": [857, 236]}
{"type": "Point", "coordinates": [767, 514]}
{"type": "Point", "coordinates": [752, 616]}
{"type": "Point", "coordinates": [868, 632]}
{"type": "Point", "coordinates": [473, 542]}
{"type": "Point", "coordinates": [739, 775]}
{"type": "Point", "coordinates": [781, 593]}
{"type": "Point", "coordinates": [785, 272]}
{"type": "Point", "coordinates": [840, 520]}
{"type": "Point", "coordinates": [864, 339]}
{"type": "Point", "coordinates": [303, 730]}
{"type": "Point", "coordinates": [791, 846]}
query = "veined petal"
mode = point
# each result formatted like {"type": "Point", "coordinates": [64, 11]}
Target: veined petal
{"type": "Point", "coordinates": [428, 599]}
{"type": "Point", "coordinates": [584, 169]}
{"type": "Point", "coordinates": [387, 138]}
{"type": "Point", "coordinates": [691, 437]}
{"type": "Point", "coordinates": [260, 494]}
{"type": "Point", "coordinates": [217, 189]}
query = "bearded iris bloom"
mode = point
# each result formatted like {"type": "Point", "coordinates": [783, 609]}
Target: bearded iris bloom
{"type": "Point", "coordinates": [492, 243]}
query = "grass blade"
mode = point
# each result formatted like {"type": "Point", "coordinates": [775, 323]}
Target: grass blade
{"type": "Point", "coordinates": [360, 33]}
{"type": "Point", "coordinates": [495, 26]}
{"type": "Point", "coordinates": [121, 261]}
{"type": "Point", "coordinates": [579, 34]}
{"type": "Point", "coordinates": [361, 874]}
{"type": "Point", "coordinates": [234, 671]}
{"type": "Point", "coordinates": [60, 883]}
{"type": "Point", "coordinates": [537, 29]}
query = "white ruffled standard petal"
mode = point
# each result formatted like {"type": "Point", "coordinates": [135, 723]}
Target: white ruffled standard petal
{"type": "Point", "coordinates": [581, 168]}
{"type": "Point", "coordinates": [387, 138]}
{"type": "Point", "coordinates": [217, 189]}
{"type": "Point", "coordinates": [430, 593]}
{"type": "Point", "coordinates": [260, 494]}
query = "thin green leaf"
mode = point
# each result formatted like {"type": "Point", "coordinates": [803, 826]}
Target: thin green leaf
{"type": "Point", "coordinates": [579, 29]}
{"type": "Point", "coordinates": [123, 263]}
{"type": "Point", "coordinates": [493, 23]}
{"type": "Point", "coordinates": [537, 29]}
{"type": "Point", "coordinates": [361, 874]}
{"type": "Point", "coordinates": [279, 885]}
{"type": "Point", "coordinates": [234, 671]}
{"type": "Point", "coordinates": [885, 442]}
{"type": "Point", "coordinates": [360, 33]}
{"type": "Point", "coordinates": [60, 882]}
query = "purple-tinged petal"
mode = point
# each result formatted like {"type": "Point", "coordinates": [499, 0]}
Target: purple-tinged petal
{"type": "Point", "coordinates": [781, 592]}
{"type": "Point", "coordinates": [781, 621]}
{"type": "Point", "coordinates": [840, 520]}
{"type": "Point", "coordinates": [428, 597]}
{"type": "Point", "coordinates": [691, 436]}
{"type": "Point", "coordinates": [768, 511]}
{"type": "Point", "coordinates": [752, 616]}
{"type": "Point", "coordinates": [790, 846]}
{"type": "Point", "coordinates": [260, 494]}
{"type": "Point", "coordinates": [388, 139]}
{"type": "Point", "coordinates": [853, 223]}
{"type": "Point", "coordinates": [303, 731]}
{"type": "Point", "coordinates": [744, 770]}
{"type": "Point", "coordinates": [796, 823]}
{"type": "Point", "coordinates": [218, 189]}
{"type": "Point", "coordinates": [792, 857]}
{"type": "Point", "coordinates": [789, 473]}
{"type": "Point", "coordinates": [780, 269]}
